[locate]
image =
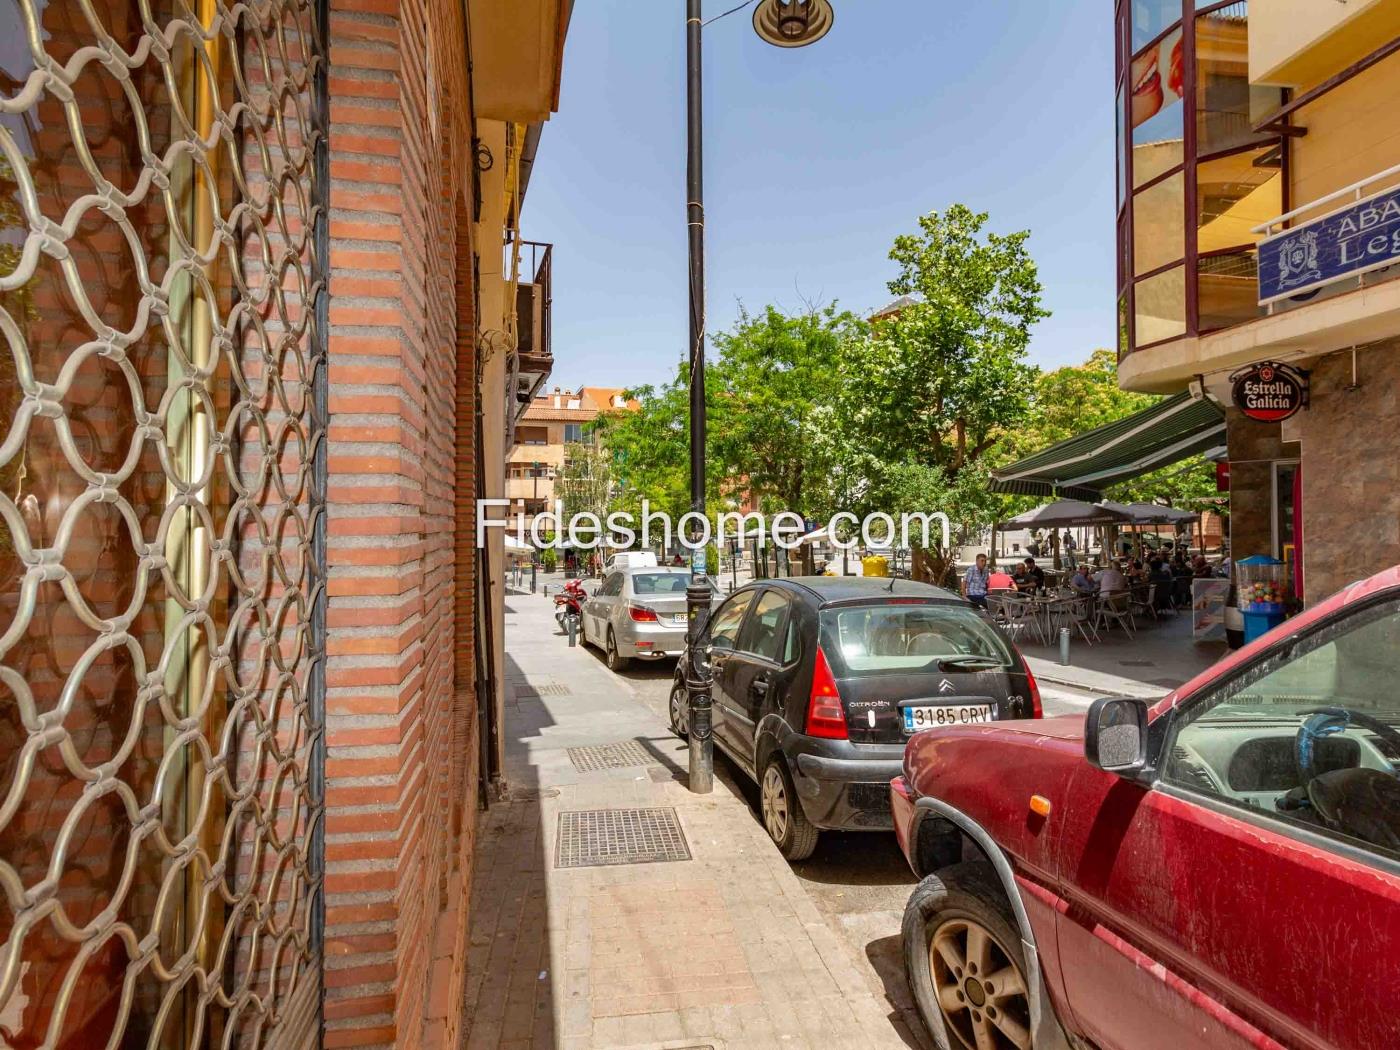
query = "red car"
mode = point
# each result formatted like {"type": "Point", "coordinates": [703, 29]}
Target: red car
{"type": "Point", "coordinates": [1221, 870]}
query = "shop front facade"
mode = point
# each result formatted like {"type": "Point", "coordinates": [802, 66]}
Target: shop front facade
{"type": "Point", "coordinates": [1258, 157]}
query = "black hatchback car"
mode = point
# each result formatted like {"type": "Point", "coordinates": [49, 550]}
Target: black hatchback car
{"type": "Point", "coordinates": [818, 682]}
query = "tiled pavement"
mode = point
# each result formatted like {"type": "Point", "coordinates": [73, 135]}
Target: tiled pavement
{"type": "Point", "coordinates": [725, 950]}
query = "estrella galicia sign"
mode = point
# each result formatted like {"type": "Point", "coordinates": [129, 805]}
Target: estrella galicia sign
{"type": "Point", "coordinates": [1360, 237]}
{"type": "Point", "coordinates": [1269, 391]}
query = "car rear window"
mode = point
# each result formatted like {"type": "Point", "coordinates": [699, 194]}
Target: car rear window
{"type": "Point", "coordinates": [900, 638]}
{"type": "Point", "coordinates": [666, 582]}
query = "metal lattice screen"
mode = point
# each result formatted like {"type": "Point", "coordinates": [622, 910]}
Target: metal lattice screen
{"type": "Point", "coordinates": [162, 480]}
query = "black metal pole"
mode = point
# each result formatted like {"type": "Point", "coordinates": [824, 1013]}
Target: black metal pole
{"type": "Point", "coordinates": [697, 595]}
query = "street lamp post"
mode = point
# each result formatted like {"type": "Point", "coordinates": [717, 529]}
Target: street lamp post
{"type": "Point", "coordinates": [783, 23]}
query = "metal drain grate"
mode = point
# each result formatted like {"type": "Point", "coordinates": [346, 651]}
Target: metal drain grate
{"type": "Point", "coordinates": [534, 692]}
{"type": "Point", "coordinates": [593, 837]}
{"type": "Point", "coordinates": [1136, 663]}
{"type": "Point", "coordinates": [610, 756]}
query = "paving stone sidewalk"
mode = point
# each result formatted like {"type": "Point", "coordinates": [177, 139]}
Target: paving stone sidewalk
{"type": "Point", "coordinates": [724, 950]}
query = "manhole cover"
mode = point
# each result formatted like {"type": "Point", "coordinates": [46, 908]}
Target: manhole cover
{"type": "Point", "coordinates": [593, 837]}
{"type": "Point", "coordinates": [610, 756]}
{"type": "Point", "coordinates": [534, 692]}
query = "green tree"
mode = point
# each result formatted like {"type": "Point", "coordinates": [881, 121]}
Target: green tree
{"type": "Point", "coordinates": [778, 378]}
{"type": "Point", "coordinates": [926, 397]}
{"type": "Point", "coordinates": [650, 448]}
{"type": "Point", "coordinates": [585, 482]}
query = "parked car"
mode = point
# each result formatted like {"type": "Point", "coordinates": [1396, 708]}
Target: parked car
{"type": "Point", "coordinates": [630, 560]}
{"type": "Point", "coordinates": [819, 681]}
{"type": "Point", "coordinates": [638, 612]}
{"type": "Point", "coordinates": [1220, 870]}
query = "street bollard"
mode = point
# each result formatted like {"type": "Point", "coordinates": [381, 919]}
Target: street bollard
{"type": "Point", "coordinates": [1064, 646]}
{"type": "Point", "coordinates": [533, 576]}
{"type": "Point", "coordinates": [570, 621]}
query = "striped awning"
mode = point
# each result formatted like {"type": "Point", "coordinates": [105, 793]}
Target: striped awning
{"type": "Point", "coordinates": [1083, 466]}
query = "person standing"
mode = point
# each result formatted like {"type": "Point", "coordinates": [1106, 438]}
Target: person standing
{"type": "Point", "coordinates": [976, 581]}
{"type": "Point", "coordinates": [1070, 547]}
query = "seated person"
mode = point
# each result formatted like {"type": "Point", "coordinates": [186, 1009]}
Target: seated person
{"type": "Point", "coordinates": [1030, 575]}
{"type": "Point", "coordinates": [1200, 568]}
{"type": "Point", "coordinates": [1112, 580]}
{"type": "Point", "coordinates": [1080, 583]}
{"type": "Point", "coordinates": [1001, 580]}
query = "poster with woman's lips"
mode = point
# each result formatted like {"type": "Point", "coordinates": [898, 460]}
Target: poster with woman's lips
{"type": "Point", "coordinates": [1157, 77]}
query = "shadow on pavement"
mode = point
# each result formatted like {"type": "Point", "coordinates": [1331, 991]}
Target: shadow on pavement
{"type": "Point", "coordinates": [886, 957]}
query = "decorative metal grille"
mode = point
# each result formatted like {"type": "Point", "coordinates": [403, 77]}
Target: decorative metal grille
{"type": "Point", "coordinates": [610, 756]}
{"type": "Point", "coordinates": [163, 305]}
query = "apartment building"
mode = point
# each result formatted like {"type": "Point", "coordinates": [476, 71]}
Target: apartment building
{"type": "Point", "coordinates": [1258, 240]}
{"type": "Point", "coordinates": [552, 422]}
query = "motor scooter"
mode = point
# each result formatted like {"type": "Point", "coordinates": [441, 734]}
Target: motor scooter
{"type": "Point", "coordinates": [568, 604]}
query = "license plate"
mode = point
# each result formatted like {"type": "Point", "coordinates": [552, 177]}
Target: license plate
{"type": "Point", "coordinates": [925, 716]}
{"type": "Point", "coordinates": [679, 619]}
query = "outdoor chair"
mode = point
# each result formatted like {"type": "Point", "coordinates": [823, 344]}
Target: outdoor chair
{"type": "Point", "coordinates": [1080, 615]}
{"type": "Point", "coordinates": [1117, 609]}
{"type": "Point", "coordinates": [1144, 600]}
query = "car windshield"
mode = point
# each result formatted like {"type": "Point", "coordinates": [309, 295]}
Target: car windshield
{"type": "Point", "coordinates": [892, 638]}
{"type": "Point", "coordinates": [666, 583]}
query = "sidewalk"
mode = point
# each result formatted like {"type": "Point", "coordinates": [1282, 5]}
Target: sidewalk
{"type": "Point", "coordinates": [1159, 658]}
{"type": "Point", "coordinates": [722, 950]}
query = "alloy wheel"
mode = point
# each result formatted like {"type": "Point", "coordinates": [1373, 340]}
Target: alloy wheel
{"type": "Point", "coordinates": [679, 711]}
{"type": "Point", "coordinates": [775, 803]}
{"type": "Point", "coordinates": [981, 991]}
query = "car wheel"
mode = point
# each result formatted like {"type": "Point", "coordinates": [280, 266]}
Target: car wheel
{"type": "Point", "coordinates": [680, 710]}
{"type": "Point", "coordinates": [963, 959]}
{"type": "Point", "coordinates": [787, 825]}
{"type": "Point", "coordinates": [616, 661]}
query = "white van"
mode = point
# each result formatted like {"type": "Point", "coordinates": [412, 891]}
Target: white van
{"type": "Point", "coordinates": [631, 560]}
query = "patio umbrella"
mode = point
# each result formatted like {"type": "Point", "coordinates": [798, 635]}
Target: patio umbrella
{"type": "Point", "coordinates": [1149, 513]}
{"type": "Point", "coordinates": [1066, 512]}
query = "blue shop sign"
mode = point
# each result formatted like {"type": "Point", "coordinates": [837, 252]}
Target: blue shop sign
{"type": "Point", "coordinates": [1360, 237]}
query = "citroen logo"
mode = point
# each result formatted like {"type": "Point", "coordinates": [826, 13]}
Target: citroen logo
{"type": "Point", "coordinates": [945, 686]}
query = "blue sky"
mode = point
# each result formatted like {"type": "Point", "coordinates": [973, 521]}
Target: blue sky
{"type": "Point", "coordinates": [816, 158]}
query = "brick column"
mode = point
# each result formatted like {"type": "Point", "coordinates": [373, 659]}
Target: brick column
{"type": "Point", "coordinates": [395, 792]}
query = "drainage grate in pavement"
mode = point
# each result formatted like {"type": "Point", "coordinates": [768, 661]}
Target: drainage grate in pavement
{"type": "Point", "coordinates": [610, 756]}
{"type": "Point", "coordinates": [1168, 683]}
{"type": "Point", "coordinates": [534, 692]}
{"type": "Point", "coordinates": [1136, 663]}
{"type": "Point", "coordinates": [593, 837]}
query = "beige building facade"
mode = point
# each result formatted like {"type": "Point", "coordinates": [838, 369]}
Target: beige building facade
{"type": "Point", "coordinates": [1242, 125]}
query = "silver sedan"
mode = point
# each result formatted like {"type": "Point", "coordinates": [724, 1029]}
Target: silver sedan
{"type": "Point", "coordinates": [639, 612]}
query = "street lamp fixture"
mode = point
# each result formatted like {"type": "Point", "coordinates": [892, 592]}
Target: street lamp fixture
{"type": "Point", "coordinates": [792, 23]}
{"type": "Point", "coordinates": [784, 23]}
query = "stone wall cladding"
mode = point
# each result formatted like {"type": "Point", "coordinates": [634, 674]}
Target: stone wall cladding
{"type": "Point", "coordinates": [1351, 469]}
{"type": "Point", "coordinates": [397, 798]}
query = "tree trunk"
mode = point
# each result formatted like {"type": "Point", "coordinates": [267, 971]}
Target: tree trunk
{"type": "Point", "coordinates": [1055, 549]}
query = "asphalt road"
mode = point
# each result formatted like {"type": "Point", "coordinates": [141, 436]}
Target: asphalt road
{"type": "Point", "coordinates": [859, 882]}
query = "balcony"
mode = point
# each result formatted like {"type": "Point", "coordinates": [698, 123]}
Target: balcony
{"type": "Point", "coordinates": [534, 339]}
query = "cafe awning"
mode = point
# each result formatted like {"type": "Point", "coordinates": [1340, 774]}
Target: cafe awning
{"type": "Point", "coordinates": [1083, 466]}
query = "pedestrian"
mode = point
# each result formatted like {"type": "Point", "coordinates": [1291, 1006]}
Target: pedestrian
{"type": "Point", "coordinates": [1001, 580]}
{"type": "Point", "coordinates": [1112, 580]}
{"type": "Point", "coordinates": [976, 581]}
{"type": "Point", "coordinates": [1070, 547]}
{"type": "Point", "coordinates": [1032, 576]}
{"type": "Point", "coordinates": [1080, 582]}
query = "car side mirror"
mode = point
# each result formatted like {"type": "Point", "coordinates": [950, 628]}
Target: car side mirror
{"type": "Point", "coordinates": [1115, 735]}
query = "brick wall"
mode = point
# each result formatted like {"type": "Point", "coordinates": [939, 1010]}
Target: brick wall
{"type": "Point", "coordinates": [1351, 476]}
{"type": "Point", "coordinates": [400, 731]}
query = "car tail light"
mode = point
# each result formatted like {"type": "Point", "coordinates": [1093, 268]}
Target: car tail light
{"type": "Point", "coordinates": [1034, 688]}
{"type": "Point", "coordinates": [641, 614]}
{"type": "Point", "coordinates": [825, 715]}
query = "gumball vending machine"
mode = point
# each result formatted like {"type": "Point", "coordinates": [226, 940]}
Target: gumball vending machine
{"type": "Point", "coordinates": [1261, 584]}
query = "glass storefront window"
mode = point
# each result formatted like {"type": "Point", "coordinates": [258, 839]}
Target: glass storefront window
{"type": "Point", "coordinates": [1234, 194]}
{"type": "Point", "coordinates": [1227, 107]}
{"type": "Point", "coordinates": [1227, 289]}
{"type": "Point", "coordinates": [1159, 307]}
{"type": "Point", "coordinates": [1159, 224]}
{"type": "Point", "coordinates": [1149, 18]}
{"type": "Point", "coordinates": [1155, 79]}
